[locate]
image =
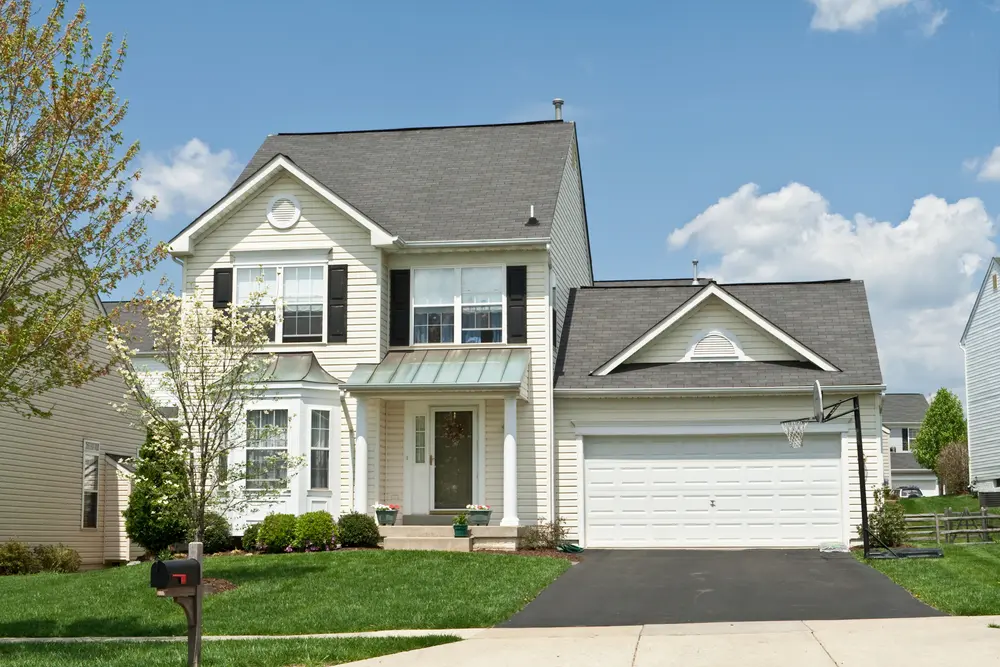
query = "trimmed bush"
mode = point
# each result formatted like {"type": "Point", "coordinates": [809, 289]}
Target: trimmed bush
{"type": "Point", "coordinates": [543, 535]}
{"type": "Point", "coordinates": [218, 534]}
{"type": "Point", "coordinates": [887, 522]}
{"type": "Point", "coordinates": [18, 558]}
{"type": "Point", "coordinates": [57, 558]}
{"type": "Point", "coordinates": [156, 516]}
{"type": "Point", "coordinates": [357, 530]}
{"type": "Point", "coordinates": [277, 533]}
{"type": "Point", "coordinates": [250, 537]}
{"type": "Point", "coordinates": [314, 531]}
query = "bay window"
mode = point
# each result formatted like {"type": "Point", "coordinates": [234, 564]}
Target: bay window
{"type": "Point", "coordinates": [319, 448]}
{"type": "Point", "coordinates": [266, 449]}
{"type": "Point", "coordinates": [471, 297]}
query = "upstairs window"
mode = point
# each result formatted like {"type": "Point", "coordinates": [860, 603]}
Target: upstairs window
{"type": "Point", "coordinates": [301, 293]}
{"type": "Point", "coordinates": [458, 305]}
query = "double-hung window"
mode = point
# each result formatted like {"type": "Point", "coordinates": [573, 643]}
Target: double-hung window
{"type": "Point", "coordinates": [300, 292]}
{"type": "Point", "coordinates": [267, 449]}
{"type": "Point", "coordinates": [261, 282]}
{"type": "Point", "coordinates": [458, 305]}
{"type": "Point", "coordinates": [319, 447]}
{"type": "Point", "coordinates": [91, 482]}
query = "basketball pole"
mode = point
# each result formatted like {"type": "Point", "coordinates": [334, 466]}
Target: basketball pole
{"type": "Point", "coordinates": [861, 475]}
{"type": "Point", "coordinates": [856, 409]}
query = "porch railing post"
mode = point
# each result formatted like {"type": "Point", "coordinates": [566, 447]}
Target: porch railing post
{"type": "Point", "coordinates": [510, 462]}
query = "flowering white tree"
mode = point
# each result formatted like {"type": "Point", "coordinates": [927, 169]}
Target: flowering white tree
{"type": "Point", "coordinates": [212, 367]}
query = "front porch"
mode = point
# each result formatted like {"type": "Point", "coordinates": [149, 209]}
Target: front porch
{"type": "Point", "coordinates": [442, 538]}
{"type": "Point", "coordinates": [433, 447]}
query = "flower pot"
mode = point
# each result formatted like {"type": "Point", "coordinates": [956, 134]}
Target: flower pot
{"type": "Point", "coordinates": [461, 530]}
{"type": "Point", "coordinates": [479, 517]}
{"type": "Point", "coordinates": [386, 517]}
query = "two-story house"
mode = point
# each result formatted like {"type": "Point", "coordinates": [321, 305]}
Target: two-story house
{"type": "Point", "coordinates": [981, 343]}
{"type": "Point", "coordinates": [444, 344]}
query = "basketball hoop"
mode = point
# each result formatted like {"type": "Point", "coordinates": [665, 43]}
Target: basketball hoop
{"type": "Point", "coordinates": [795, 430]}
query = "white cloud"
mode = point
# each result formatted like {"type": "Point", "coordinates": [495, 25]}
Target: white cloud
{"type": "Point", "coordinates": [988, 168]}
{"type": "Point", "coordinates": [855, 15]}
{"type": "Point", "coordinates": [920, 274]}
{"type": "Point", "coordinates": [187, 180]}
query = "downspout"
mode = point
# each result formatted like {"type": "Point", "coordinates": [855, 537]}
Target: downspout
{"type": "Point", "coordinates": [550, 374]}
{"type": "Point", "coordinates": [350, 443]}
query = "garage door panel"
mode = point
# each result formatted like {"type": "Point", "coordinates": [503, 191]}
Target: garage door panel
{"type": "Point", "coordinates": [729, 491]}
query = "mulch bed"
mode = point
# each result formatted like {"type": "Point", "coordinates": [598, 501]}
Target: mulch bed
{"type": "Point", "coordinates": [547, 553]}
{"type": "Point", "coordinates": [214, 585]}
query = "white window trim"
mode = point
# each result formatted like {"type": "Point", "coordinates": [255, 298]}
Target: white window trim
{"type": "Point", "coordinates": [328, 449]}
{"type": "Point", "coordinates": [90, 446]}
{"type": "Point", "coordinates": [457, 305]}
{"type": "Point", "coordinates": [246, 448]}
{"type": "Point", "coordinates": [279, 264]}
{"type": "Point", "coordinates": [740, 355]}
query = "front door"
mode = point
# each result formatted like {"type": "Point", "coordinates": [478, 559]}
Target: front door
{"type": "Point", "coordinates": [452, 461]}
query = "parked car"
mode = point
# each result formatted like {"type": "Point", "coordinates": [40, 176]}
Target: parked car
{"type": "Point", "coordinates": [909, 492]}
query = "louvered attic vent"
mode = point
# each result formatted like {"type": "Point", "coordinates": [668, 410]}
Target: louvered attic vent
{"type": "Point", "coordinates": [714, 346]}
{"type": "Point", "coordinates": [283, 211]}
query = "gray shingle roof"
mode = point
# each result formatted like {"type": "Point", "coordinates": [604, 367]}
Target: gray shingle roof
{"type": "Point", "coordinates": [831, 318]}
{"type": "Point", "coordinates": [438, 184]}
{"type": "Point", "coordinates": [904, 409]}
{"type": "Point", "coordinates": [900, 461]}
{"type": "Point", "coordinates": [135, 322]}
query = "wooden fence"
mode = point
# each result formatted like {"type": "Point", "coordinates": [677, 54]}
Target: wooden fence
{"type": "Point", "coordinates": [964, 528]}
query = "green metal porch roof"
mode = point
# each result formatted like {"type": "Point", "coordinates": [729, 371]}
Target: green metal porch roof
{"type": "Point", "coordinates": [476, 368]}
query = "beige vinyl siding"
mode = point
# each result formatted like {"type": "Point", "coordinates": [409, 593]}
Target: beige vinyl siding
{"type": "Point", "coordinates": [41, 479]}
{"type": "Point", "coordinates": [533, 417]}
{"type": "Point", "coordinates": [570, 253]}
{"type": "Point", "coordinates": [321, 226]}
{"type": "Point", "coordinates": [697, 410]}
{"type": "Point", "coordinates": [713, 314]}
{"type": "Point", "coordinates": [982, 383]}
{"type": "Point", "coordinates": [393, 454]}
{"type": "Point", "coordinates": [118, 487]}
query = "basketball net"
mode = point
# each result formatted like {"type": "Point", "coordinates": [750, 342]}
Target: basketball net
{"type": "Point", "coordinates": [795, 430]}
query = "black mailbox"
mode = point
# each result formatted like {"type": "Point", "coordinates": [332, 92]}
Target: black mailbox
{"type": "Point", "coordinates": [175, 573]}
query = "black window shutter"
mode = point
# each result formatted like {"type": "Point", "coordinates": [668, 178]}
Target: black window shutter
{"type": "Point", "coordinates": [336, 307]}
{"type": "Point", "coordinates": [222, 288]}
{"type": "Point", "coordinates": [399, 307]}
{"type": "Point", "coordinates": [517, 304]}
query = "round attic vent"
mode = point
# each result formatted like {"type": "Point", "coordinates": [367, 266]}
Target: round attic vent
{"type": "Point", "coordinates": [283, 211]}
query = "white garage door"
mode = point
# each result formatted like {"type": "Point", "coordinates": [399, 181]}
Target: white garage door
{"type": "Point", "coordinates": [927, 483]}
{"type": "Point", "coordinates": [718, 491]}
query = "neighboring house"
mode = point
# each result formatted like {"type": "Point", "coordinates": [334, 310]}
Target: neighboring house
{"type": "Point", "coordinates": [62, 478]}
{"type": "Point", "coordinates": [981, 343]}
{"type": "Point", "coordinates": [902, 415]}
{"type": "Point", "coordinates": [446, 345]}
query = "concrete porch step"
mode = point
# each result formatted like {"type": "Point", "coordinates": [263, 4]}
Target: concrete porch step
{"type": "Point", "coordinates": [417, 531]}
{"type": "Point", "coordinates": [428, 543]}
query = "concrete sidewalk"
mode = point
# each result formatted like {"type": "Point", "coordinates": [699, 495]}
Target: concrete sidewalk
{"type": "Point", "coordinates": [913, 642]}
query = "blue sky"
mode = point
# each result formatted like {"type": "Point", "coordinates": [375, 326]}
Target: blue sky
{"type": "Point", "coordinates": [799, 115]}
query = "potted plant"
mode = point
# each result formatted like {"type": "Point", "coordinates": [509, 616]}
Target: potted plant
{"type": "Point", "coordinates": [461, 525]}
{"type": "Point", "coordinates": [386, 513]}
{"type": "Point", "coordinates": [479, 515]}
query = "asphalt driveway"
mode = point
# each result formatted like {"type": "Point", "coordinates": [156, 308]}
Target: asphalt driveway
{"type": "Point", "coordinates": [679, 586]}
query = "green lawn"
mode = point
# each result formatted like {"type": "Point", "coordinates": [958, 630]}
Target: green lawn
{"type": "Point", "coordinates": [938, 504]}
{"type": "Point", "coordinates": [966, 582]}
{"type": "Point", "coordinates": [242, 653]}
{"type": "Point", "coordinates": [285, 594]}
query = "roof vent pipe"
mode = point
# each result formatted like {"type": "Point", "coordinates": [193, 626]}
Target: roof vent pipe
{"type": "Point", "coordinates": [694, 263]}
{"type": "Point", "coordinates": [532, 220]}
{"type": "Point", "coordinates": [558, 104]}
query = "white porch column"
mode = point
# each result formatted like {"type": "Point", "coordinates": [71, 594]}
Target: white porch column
{"type": "Point", "coordinates": [509, 462]}
{"type": "Point", "coordinates": [361, 457]}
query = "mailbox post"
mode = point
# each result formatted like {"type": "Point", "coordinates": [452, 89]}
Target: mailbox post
{"type": "Point", "coordinates": [181, 580]}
